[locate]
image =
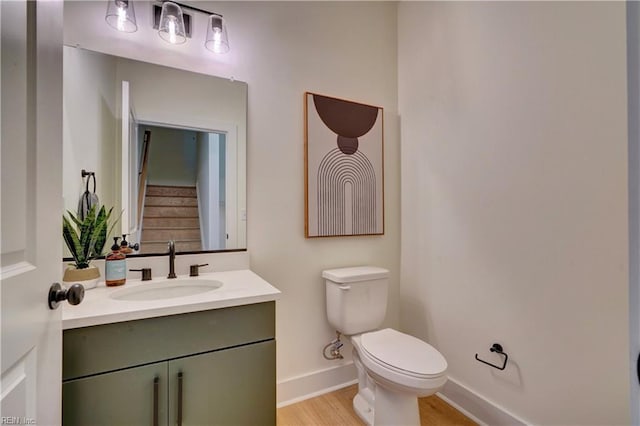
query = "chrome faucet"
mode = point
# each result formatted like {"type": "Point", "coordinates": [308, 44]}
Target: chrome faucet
{"type": "Point", "coordinates": [172, 259]}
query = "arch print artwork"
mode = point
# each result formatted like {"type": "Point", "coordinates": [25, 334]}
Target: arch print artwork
{"type": "Point", "coordinates": [344, 168]}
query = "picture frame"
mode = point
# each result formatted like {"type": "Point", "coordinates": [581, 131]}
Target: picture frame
{"type": "Point", "coordinates": [344, 167]}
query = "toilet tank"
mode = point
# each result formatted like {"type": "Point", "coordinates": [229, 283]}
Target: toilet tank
{"type": "Point", "coordinates": [356, 298]}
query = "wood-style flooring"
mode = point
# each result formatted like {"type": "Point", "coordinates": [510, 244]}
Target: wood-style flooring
{"type": "Point", "coordinates": [335, 409]}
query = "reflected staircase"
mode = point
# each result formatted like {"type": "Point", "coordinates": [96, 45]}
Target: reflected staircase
{"type": "Point", "coordinates": [170, 213]}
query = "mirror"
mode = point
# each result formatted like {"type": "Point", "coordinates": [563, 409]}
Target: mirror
{"type": "Point", "coordinates": [167, 148]}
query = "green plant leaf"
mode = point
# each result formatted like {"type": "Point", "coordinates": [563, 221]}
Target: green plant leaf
{"type": "Point", "coordinates": [86, 231]}
{"type": "Point", "coordinates": [74, 219]}
{"type": "Point", "coordinates": [73, 241]}
{"type": "Point", "coordinates": [100, 232]}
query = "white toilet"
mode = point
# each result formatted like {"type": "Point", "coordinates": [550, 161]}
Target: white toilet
{"type": "Point", "coordinates": [394, 369]}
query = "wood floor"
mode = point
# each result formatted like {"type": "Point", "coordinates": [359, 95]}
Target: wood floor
{"type": "Point", "coordinates": [336, 408]}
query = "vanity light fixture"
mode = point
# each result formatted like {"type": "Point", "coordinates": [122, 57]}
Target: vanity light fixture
{"type": "Point", "coordinates": [217, 40]}
{"type": "Point", "coordinates": [171, 26]}
{"type": "Point", "coordinates": [121, 16]}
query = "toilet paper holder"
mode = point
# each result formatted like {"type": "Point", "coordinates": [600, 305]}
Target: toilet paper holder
{"type": "Point", "coordinates": [497, 348]}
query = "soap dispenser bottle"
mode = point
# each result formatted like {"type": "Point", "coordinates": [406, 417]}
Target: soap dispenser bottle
{"type": "Point", "coordinates": [115, 266]}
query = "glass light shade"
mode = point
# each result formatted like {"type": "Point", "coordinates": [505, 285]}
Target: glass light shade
{"type": "Point", "coordinates": [217, 40]}
{"type": "Point", "coordinates": [171, 28]}
{"type": "Point", "coordinates": [121, 16]}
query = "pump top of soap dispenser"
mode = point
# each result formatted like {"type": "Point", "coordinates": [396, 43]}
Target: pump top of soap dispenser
{"type": "Point", "coordinates": [115, 246]}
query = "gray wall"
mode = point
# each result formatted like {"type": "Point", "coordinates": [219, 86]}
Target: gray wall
{"type": "Point", "coordinates": [172, 156]}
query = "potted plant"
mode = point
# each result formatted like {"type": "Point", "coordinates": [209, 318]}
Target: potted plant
{"type": "Point", "coordinates": [85, 240]}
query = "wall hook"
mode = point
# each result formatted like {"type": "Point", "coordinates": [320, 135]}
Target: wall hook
{"type": "Point", "coordinates": [497, 348]}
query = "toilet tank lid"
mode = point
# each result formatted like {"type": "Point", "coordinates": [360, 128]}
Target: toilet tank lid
{"type": "Point", "coordinates": [355, 274]}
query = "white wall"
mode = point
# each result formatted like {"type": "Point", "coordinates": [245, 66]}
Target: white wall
{"type": "Point", "coordinates": [282, 49]}
{"type": "Point", "coordinates": [89, 144]}
{"type": "Point", "coordinates": [342, 49]}
{"type": "Point", "coordinates": [514, 189]}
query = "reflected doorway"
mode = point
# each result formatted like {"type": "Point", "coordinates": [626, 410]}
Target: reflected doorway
{"type": "Point", "coordinates": [182, 187]}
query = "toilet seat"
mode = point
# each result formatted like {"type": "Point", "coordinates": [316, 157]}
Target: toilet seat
{"type": "Point", "coordinates": [403, 354]}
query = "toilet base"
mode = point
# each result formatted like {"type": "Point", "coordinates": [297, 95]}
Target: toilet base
{"type": "Point", "coordinates": [394, 408]}
{"type": "Point", "coordinates": [378, 406]}
{"type": "Point", "coordinates": [363, 410]}
{"type": "Point", "coordinates": [391, 408]}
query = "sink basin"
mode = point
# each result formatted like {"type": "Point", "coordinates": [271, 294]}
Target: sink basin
{"type": "Point", "coordinates": [168, 289]}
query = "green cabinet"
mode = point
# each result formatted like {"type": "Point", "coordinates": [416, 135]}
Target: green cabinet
{"type": "Point", "coordinates": [128, 397]}
{"type": "Point", "coordinates": [205, 368]}
{"type": "Point", "coordinates": [224, 387]}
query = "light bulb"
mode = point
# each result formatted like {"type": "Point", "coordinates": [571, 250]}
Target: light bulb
{"type": "Point", "coordinates": [122, 17]}
{"type": "Point", "coordinates": [172, 31]}
{"type": "Point", "coordinates": [171, 27]}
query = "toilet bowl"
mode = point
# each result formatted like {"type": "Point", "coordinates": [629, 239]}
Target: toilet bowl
{"type": "Point", "coordinates": [394, 368]}
{"type": "Point", "coordinates": [401, 361]}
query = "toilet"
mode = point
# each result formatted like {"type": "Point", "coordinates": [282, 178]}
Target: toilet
{"type": "Point", "coordinates": [394, 368]}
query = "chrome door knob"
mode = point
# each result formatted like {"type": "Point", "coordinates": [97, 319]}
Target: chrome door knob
{"type": "Point", "coordinates": [57, 294]}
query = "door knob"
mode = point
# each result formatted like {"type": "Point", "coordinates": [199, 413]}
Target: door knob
{"type": "Point", "coordinates": [57, 294]}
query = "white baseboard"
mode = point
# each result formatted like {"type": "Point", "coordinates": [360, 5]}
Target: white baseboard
{"type": "Point", "coordinates": [476, 407]}
{"type": "Point", "coordinates": [299, 388]}
{"type": "Point", "coordinates": [472, 405]}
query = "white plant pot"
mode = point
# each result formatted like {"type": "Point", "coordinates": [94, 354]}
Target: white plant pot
{"type": "Point", "coordinates": [88, 277]}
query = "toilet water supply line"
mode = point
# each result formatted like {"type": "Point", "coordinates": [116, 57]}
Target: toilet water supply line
{"type": "Point", "coordinates": [335, 346]}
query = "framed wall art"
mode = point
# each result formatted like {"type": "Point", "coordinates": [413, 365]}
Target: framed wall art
{"type": "Point", "coordinates": [344, 167]}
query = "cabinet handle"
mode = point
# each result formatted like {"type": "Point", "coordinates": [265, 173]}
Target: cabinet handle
{"type": "Point", "coordinates": [180, 398]}
{"type": "Point", "coordinates": [156, 389]}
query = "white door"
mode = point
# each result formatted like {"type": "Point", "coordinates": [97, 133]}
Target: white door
{"type": "Point", "coordinates": [30, 210]}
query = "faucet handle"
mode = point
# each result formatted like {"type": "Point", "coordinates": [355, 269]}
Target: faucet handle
{"type": "Point", "coordinates": [194, 270]}
{"type": "Point", "coordinates": [146, 273]}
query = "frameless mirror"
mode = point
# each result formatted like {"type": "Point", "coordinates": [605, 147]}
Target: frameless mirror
{"type": "Point", "coordinates": [167, 148]}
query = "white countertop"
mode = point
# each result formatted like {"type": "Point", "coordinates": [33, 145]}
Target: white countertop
{"type": "Point", "coordinates": [240, 287]}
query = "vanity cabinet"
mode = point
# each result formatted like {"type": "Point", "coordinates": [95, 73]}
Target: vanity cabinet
{"type": "Point", "coordinates": [204, 368]}
{"type": "Point", "coordinates": [234, 383]}
{"type": "Point", "coordinates": [124, 397]}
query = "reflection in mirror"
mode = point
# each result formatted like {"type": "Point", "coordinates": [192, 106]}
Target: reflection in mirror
{"type": "Point", "coordinates": [186, 178]}
{"type": "Point", "coordinates": [168, 148]}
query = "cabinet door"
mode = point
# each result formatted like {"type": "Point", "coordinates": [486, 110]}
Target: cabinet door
{"type": "Point", "coordinates": [135, 396]}
{"type": "Point", "coordinates": [234, 386]}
